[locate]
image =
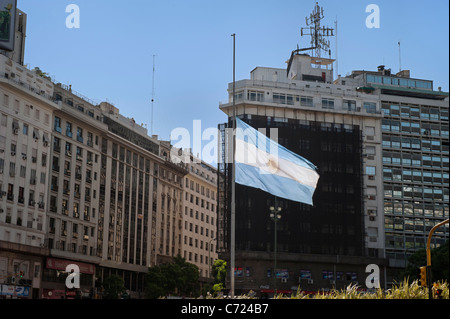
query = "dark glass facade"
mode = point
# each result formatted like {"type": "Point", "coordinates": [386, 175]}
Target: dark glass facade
{"type": "Point", "coordinates": [334, 225]}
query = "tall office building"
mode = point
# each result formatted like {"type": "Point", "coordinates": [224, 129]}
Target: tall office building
{"type": "Point", "coordinates": [140, 201]}
{"type": "Point", "coordinates": [338, 128]}
{"type": "Point", "coordinates": [415, 159]}
{"type": "Point", "coordinates": [82, 184]}
{"type": "Point", "coordinates": [199, 220]}
{"type": "Point", "coordinates": [73, 192]}
{"type": "Point", "coordinates": [25, 130]}
{"type": "Point", "coordinates": [380, 142]}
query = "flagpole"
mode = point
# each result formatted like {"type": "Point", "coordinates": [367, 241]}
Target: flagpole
{"type": "Point", "coordinates": [233, 184]}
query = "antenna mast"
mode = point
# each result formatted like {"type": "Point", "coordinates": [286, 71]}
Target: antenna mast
{"type": "Point", "coordinates": [153, 94]}
{"type": "Point", "coordinates": [336, 47]}
{"type": "Point", "coordinates": [318, 34]}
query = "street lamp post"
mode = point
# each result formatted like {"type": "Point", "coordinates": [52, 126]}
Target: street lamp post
{"type": "Point", "coordinates": [275, 215]}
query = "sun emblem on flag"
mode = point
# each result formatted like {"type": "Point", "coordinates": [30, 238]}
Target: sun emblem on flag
{"type": "Point", "coordinates": [272, 164]}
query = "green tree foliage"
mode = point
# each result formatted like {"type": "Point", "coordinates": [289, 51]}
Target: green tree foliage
{"type": "Point", "coordinates": [439, 264]}
{"type": "Point", "coordinates": [176, 278]}
{"type": "Point", "coordinates": [219, 271]}
{"type": "Point", "coordinates": [114, 287]}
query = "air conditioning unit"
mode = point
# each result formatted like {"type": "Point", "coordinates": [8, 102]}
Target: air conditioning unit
{"type": "Point", "coordinates": [16, 131]}
{"type": "Point", "coordinates": [284, 280]}
{"type": "Point", "coordinates": [310, 281]}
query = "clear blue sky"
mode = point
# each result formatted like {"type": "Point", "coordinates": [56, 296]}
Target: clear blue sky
{"type": "Point", "coordinates": [110, 55]}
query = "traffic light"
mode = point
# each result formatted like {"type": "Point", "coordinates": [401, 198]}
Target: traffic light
{"type": "Point", "coordinates": [437, 291]}
{"type": "Point", "coordinates": [423, 276]}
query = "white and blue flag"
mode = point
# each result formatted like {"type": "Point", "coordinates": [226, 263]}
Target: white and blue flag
{"type": "Point", "coordinates": [264, 164]}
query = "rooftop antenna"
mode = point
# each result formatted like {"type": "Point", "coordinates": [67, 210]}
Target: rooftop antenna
{"type": "Point", "coordinates": [318, 34]}
{"type": "Point", "coordinates": [399, 58]}
{"type": "Point", "coordinates": [336, 46]}
{"type": "Point", "coordinates": [153, 94]}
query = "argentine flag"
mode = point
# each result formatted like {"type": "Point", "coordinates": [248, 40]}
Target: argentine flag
{"type": "Point", "coordinates": [264, 164]}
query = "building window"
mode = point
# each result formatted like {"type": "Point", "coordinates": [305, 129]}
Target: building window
{"type": "Point", "coordinates": [68, 149]}
{"type": "Point", "coordinates": [79, 153]}
{"type": "Point", "coordinates": [90, 140]}
{"type": "Point", "coordinates": [283, 98]}
{"type": "Point", "coordinates": [69, 129]}
{"type": "Point", "coordinates": [327, 103]}
{"type": "Point", "coordinates": [79, 134]}
{"type": "Point", "coordinates": [370, 107]}
{"type": "Point", "coordinates": [370, 170]}
{"type": "Point", "coordinates": [255, 96]}
{"type": "Point", "coordinates": [349, 105]}
{"type": "Point", "coordinates": [239, 96]}
{"type": "Point", "coordinates": [56, 144]}
{"type": "Point", "coordinates": [10, 194]}
{"type": "Point", "coordinates": [306, 101]}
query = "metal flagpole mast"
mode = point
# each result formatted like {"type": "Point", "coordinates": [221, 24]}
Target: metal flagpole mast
{"type": "Point", "coordinates": [233, 184]}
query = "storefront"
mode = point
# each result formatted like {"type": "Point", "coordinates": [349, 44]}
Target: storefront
{"type": "Point", "coordinates": [54, 279]}
{"type": "Point", "coordinates": [13, 291]}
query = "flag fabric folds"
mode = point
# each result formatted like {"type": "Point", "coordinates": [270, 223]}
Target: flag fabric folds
{"type": "Point", "coordinates": [262, 163]}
